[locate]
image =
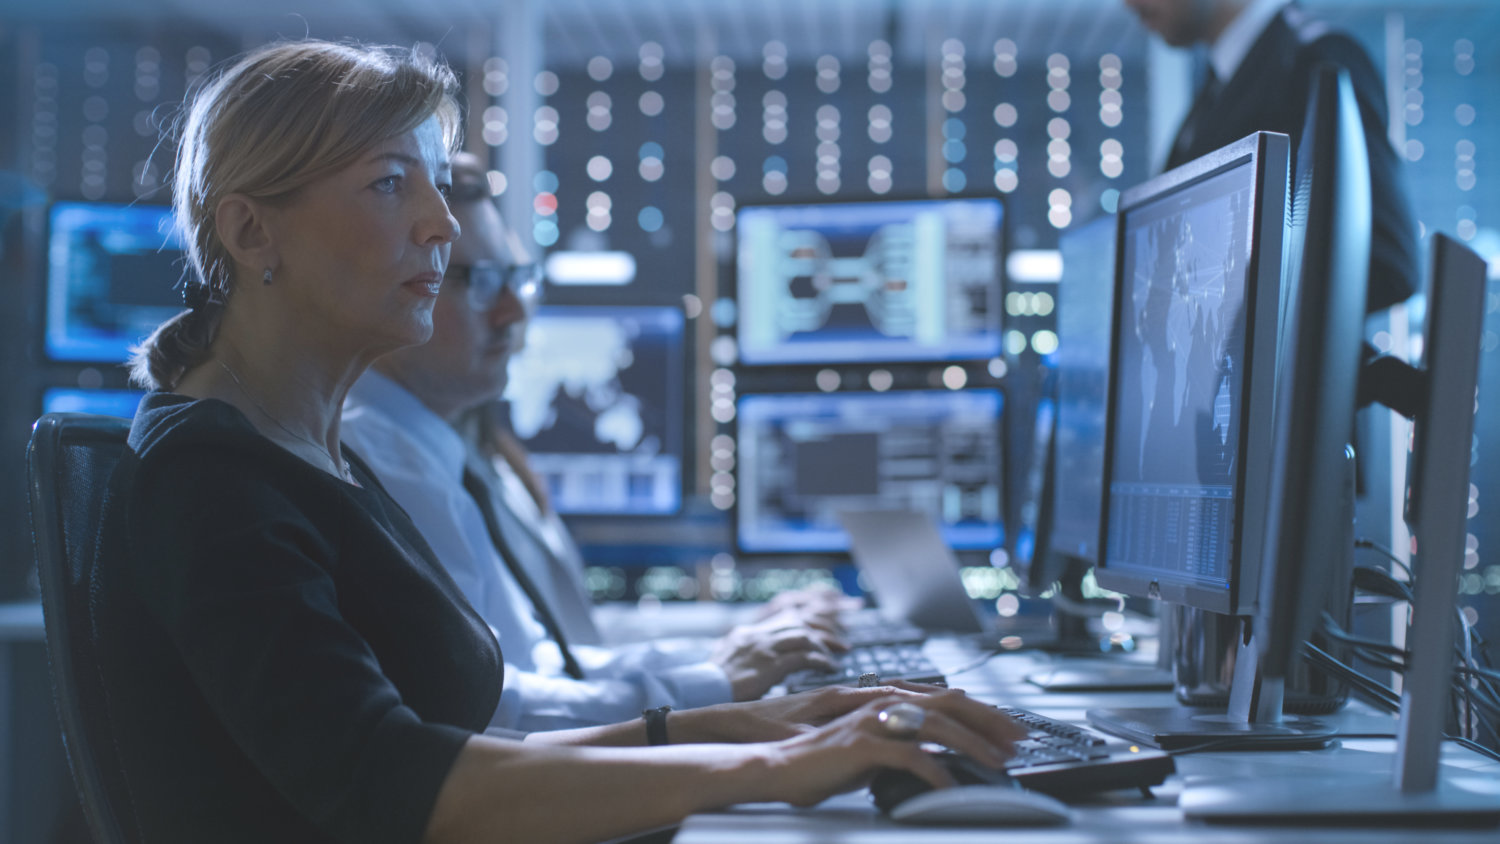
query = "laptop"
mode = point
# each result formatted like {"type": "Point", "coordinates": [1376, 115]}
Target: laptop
{"type": "Point", "coordinates": [919, 585]}
{"type": "Point", "coordinates": [912, 571]}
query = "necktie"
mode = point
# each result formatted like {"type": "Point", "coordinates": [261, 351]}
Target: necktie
{"type": "Point", "coordinates": [480, 491]}
{"type": "Point", "coordinates": [1193, 123]}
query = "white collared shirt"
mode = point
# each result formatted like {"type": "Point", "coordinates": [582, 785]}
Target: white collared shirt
{"type": "Point", "coordinates": [1234, 43]}
{"type": "Point", "coordinates": [420, 459]}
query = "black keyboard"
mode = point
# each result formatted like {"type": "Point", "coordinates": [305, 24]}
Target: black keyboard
{"type": "Point", "coordinates": [887, 662]}
{"type": "Point", "coordinates": [1057, 758]}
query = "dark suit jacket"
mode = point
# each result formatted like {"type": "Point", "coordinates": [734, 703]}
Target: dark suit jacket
{"type": "Point", "coordinates": [1269, 92]}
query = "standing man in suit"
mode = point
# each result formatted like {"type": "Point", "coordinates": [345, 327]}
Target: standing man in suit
{"type": "Point", "coordinates": [1261, 58]}
{"type": "Point", "coordinates": [400, 417]}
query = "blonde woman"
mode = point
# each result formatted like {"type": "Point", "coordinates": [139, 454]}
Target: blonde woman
{"type": "Point", "coordinates": [282, 658]}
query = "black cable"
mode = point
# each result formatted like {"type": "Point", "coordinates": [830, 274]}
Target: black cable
{"type": "Point", "coordinates": [974, 664]}
{"type": "Point", "coordinates": [1372, 545]}
{"type": "Point", "coordinates": [1332, 630]}
{"type": "Point", "coordinates": [1366, 685]}
{"type": "Point", "coordinates": [1380, 661]}
{"type": "Point", "coordinates": [1378, 581]}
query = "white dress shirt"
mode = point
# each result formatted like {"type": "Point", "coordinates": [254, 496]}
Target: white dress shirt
{"type": "Point", "coordinates": [420, 460]}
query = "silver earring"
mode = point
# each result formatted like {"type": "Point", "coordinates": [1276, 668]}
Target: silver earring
{"type": "Point", "coordinates": [266, 279]}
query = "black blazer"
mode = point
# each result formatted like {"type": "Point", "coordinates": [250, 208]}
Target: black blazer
{"type": "Point", "coordinates": [1269, 92]}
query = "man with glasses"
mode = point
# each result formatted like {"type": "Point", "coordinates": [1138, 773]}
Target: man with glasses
{"type": "Point", "coordinates": [404, 418]}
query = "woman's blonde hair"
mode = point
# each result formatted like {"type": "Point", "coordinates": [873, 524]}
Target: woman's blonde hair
{"type": "Point", "coordinates": [267, 125]}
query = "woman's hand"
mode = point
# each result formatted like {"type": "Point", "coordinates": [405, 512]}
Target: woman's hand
{"type": "Point", "coordinates": [777, 718]}
{"type": "Point", "coordinates": [844, 754]}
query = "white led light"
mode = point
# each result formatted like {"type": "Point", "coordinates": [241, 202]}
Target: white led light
{"type": "Point", "coordinates": [566, 268]}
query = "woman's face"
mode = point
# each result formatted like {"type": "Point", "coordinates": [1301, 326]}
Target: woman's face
{"type": "Point", "coordinates": [361, 252]}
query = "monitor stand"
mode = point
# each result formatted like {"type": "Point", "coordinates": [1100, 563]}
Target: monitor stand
{"type": "Point", "coordinates": [1255, 717]}
{"type": "Point", "coordinates": [1087, 663]}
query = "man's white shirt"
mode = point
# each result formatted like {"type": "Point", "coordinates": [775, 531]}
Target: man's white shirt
{"type": "Point", "coordinates": [420, 460]}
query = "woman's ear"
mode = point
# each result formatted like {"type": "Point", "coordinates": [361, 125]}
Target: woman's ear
{"type": "Point", "coordinates": [243, 226]}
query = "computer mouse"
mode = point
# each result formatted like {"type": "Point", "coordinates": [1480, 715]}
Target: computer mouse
{"type": "Point", "coordinates": [982, 805]}
{"type": "Point", "coordinates": [983, 796]}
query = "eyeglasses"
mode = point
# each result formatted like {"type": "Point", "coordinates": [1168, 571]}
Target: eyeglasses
{"type": "Point", "coordinates": [485, 281]}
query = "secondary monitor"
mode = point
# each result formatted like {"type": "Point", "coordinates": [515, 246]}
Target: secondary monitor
{"type": "Point", "coordinates": [805, 458]}
{"type": "Point", "coordinates": [112, 273]}
{"type": "Point", "coordinates": [597, 397]}
{"type": "Point", "coordinates": [1193, 375]}
{"type": "Point", "coordinates": [1085, 296]}
{"type": "Point", "coordinates": [869, 281]}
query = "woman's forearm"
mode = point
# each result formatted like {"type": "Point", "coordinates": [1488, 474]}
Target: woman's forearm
{"type": "Point", "coordinates": [507, 791]}
{"type": "Point", "coordinates": [731, 723]}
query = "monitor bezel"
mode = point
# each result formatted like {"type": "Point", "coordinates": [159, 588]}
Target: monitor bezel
{"type": "Point", "coordinates": [1268, 155]}
{"type": "Point", "coordinates": [1000, 286]}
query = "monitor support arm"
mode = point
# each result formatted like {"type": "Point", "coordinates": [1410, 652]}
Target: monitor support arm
{"type": "Point", "coordinates": [1390, 381]}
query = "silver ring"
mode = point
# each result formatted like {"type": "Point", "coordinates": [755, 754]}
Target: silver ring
{"type": "Point", "coordinates": [868, 679]}
{"type": "Point", "coordinates": [902, 720]}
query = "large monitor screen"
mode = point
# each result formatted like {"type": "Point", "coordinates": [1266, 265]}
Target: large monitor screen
{"type": "Point", "coordinates": [1085, 298]}
{"type": "Point", "coordinates": [112, 273]}
{"type": "Point", "coordinates": [597, 396]}
{"type": "Point", "coordinates": [1182, 361]}
{"type": "Point", "coordinates": [869, 281]}
{"type": "Point", "coordinates": [804, 458]}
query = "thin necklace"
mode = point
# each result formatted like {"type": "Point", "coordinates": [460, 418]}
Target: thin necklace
{"type": "Point", "coordinates": [340, 467]}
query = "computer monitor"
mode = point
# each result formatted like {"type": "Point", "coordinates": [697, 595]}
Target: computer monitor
{"type": "Point", "coordinates": [1314, 415]}
{"type": "Point", "coordinates": [804, 458]}
{"type": "Point", "coordinates": [869, 281]}
{"type": "Point", "coordinates": [1085, 297]}
{"type": "Point", "coordinates": [121, 403]}
{"type": "Point", "coordinates": [1034, 516]}
{"type": "Point", "coordinates": [112, 273]}
{"type": "Point", "coordinates": [1193, 370]}
{"type": "Point", "coordinates": [1191, 414]}
{"type": "Point", "coordinates": [596, 395]}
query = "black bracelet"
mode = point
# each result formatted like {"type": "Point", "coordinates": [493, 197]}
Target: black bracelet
{"type": "Point", "coordinates": [656, 724]}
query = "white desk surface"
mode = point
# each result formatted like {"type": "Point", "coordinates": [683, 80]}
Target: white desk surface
{"type": "Point", "coordinates": [1114, 817]}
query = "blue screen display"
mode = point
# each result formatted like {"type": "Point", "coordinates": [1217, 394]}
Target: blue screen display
{"type": "Point", "coordinates": [99, 402]}
{"type": "Point", "coordinates": [804, 458]}
{"type": "Point", "coordinates": [1085, 298]}
{"type": "Point", "coordinates": [597, 397]}
{"type": "Point", "coordinates": [112, 273]}
{"type": "Point", "coordinates": [1178, 405]}
{"type": "Point", "coordinates": [869, 281]}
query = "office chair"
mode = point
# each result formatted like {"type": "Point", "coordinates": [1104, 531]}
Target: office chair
{"type": "Point", "coordinates": [69, 463]}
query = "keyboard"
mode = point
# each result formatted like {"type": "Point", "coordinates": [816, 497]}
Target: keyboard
{"type": "Point", "coordinates": [1056, 758]}
{"type": "Point", "coordinates": [867, 627]}
{"type": "Point", "coordinates": [888, 662]}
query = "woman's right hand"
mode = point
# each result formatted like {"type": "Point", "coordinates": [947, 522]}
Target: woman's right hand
{"type": "Point", "coordinates": [844, 754]}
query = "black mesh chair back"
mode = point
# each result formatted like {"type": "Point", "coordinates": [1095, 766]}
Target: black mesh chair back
{"type": "Point", "coordinates": [69, 463]}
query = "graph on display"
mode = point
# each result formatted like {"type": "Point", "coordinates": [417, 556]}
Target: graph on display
{"type": "Point", "coordinates": [1182, 342]}
{"type": "Point", "coordinates": [596, 394]}
{"type": "Point", "coordinates": [804, 458]}
{"type": "Point", "coordinates": [869, 281]}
